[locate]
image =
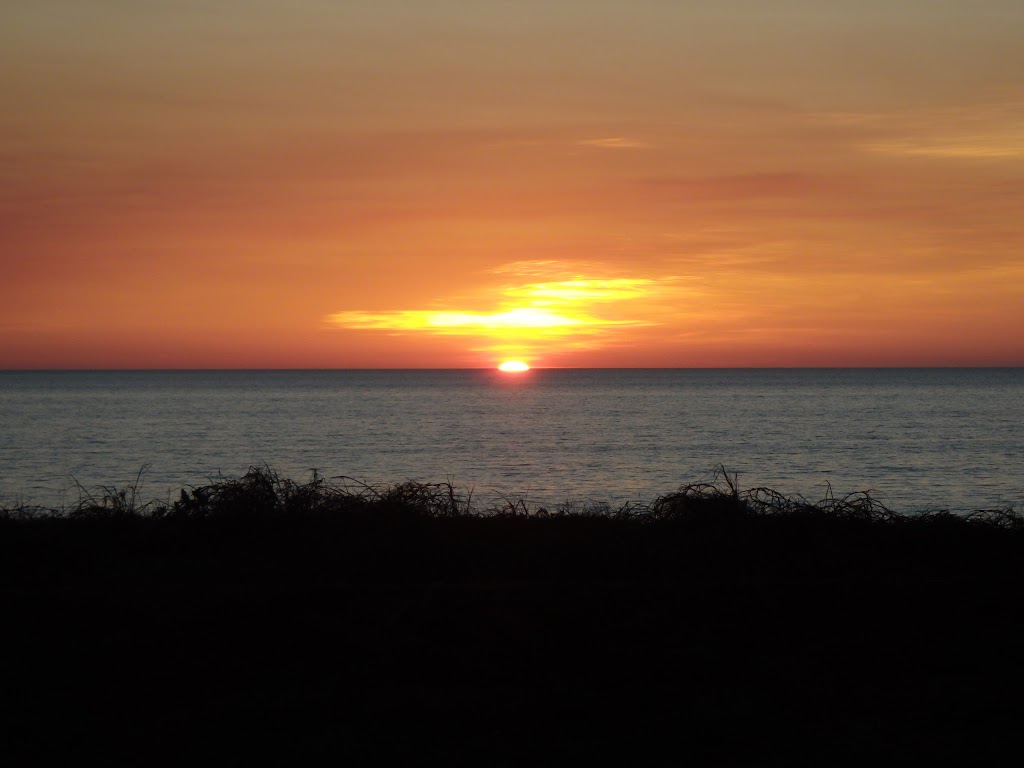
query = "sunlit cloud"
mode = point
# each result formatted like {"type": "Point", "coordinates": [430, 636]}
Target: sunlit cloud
{"type": "Point", "coordinates": [470, 323]}
{"type": "Point", "coordinates": [545, 270]}
{"type": "Point", "coordinates": [982, 145]}
{"type": "Point", "coordinates": [615, 142]}
{"type": "Point", "coordinates": [572, 291]}
{"type": "Point", "coordinates": [984, 130]}
{"type": "Point", "coordinates": [528, 316]}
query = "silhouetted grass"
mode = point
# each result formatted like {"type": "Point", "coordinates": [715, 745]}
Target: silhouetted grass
{"type": "Point", "coordinates": [262, 528]}
{"type": "Point", "coordinates": [329, 621]}
{"type": "Point", "coordinates": [262, 494]}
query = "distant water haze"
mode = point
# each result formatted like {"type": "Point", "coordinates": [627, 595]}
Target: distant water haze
{"type": "Point", "coordinates": [916, 438]}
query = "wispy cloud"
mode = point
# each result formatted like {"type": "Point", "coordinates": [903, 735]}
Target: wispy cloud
{"type": "Point", "coordinates": [614, 142]}
{"type": "Point", "coordinates": [576, 312]}
{"type": "Point", "coordinates": [994, 144]}
{"type": "Point", "coordinates": [581, 291]}
{"type": "Point", "coordinates": [549, 322]}
{"type": "Point", "coordinates": [739, 186]}
{"type": "Point", "coordinates": [993, 129]}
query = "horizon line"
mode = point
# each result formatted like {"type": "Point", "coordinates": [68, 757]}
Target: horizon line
{"type": "Point", "coordinates": [532, 368]}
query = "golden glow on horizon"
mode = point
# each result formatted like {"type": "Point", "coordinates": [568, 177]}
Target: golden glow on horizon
{"type": "Point", "coordinates": [553, 313]}
{"type": "Point", "coordinates": [513, 366]}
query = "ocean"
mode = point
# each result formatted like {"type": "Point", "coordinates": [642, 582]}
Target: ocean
{"type": "Point", "coordinates": [915, 438]}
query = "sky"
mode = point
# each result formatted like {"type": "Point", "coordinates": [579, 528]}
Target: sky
{"type": "Point", "coordinates": [571, 183]}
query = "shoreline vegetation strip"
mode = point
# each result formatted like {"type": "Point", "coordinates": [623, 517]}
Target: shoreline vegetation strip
{"type": "Point", "coordinates": [262, 493]}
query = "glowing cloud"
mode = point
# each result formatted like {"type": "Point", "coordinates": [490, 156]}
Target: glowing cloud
{"type": "Point", "coordinates": [461, 323]}
{"type": "Point", "coordinates": [527, 313]}
{"type": "Point", "coordinates": [569, 291]}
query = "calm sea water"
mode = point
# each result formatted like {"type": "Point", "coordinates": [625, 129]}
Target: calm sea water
{"type": "Point", "coordinates": [917, 438]}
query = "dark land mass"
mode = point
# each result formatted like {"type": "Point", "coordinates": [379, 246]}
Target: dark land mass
{"type": "Point", "coordinates": [260, 619]}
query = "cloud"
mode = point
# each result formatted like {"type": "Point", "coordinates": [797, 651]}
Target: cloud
{"type": "Point", "coordinates": [739, 186]}
{"type": "Point", "coordinates": [995, 145]}
{"type": "Point", "coordinates": [614, 142]}
{"type": "Point", "coordinates": [527, 315]}
{"type": "Point", "coordinates": [991, 129]}
{"type": "Point", "coordinates": [466, 323]}
{"type": "Point", "coordinates": [581, 291]}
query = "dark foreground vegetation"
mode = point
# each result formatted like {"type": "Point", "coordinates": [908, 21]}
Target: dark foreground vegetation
{"type": "Point", "coordinates": [332, 623]}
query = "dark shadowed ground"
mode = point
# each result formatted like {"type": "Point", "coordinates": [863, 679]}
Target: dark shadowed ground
{"type": "Point", "coordinates": [706, 631]}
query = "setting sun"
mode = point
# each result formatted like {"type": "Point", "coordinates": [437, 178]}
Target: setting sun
{"type": "Point", "coordinates": [513, 366]}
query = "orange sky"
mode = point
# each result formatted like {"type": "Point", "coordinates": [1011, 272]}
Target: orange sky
{"type": "Point", "coordinates": [580, 183]}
